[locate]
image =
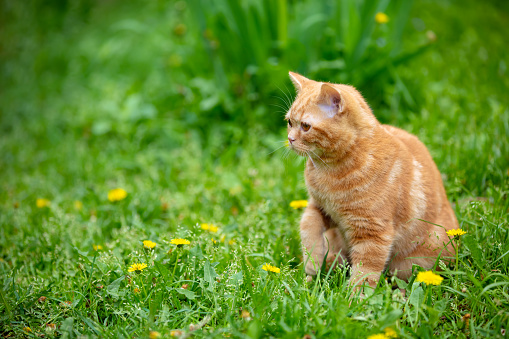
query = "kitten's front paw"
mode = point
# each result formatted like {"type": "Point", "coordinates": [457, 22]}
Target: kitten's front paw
{"type": "Point", "coordinates": [311, 268]}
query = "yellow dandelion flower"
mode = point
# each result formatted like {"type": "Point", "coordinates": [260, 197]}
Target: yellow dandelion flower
{"type": "Point", "coordinates": [41, 203]}
{"type": "Point", "coordinates": [270, 268]}
{"type": "Point", "coordinates": [230, 242]}
{"type": "Point", "coordinates": [390, 333]}
{"type": "Point", "coordinates": [381, 18]}
{"type": "Point", "coordinates": [180, 242]}
{"type": "Point", "coordinates": [455, 232]}
{"type": "Point", "coordinates": [78, 205]}
{"type": "Point", "coordinates": [137, 268]}
{"type": "Point", "coordinates": [27, 329]}
{"type": "Point", "coordinates": [377, 336]}
{"type": "Point", "coordinates": [136, 290]}
{"type": "Point", "coordinates": [149, 244]}
{"type": "Point", "coordinates": [154, 335]}
{"type": "Point", "coordinates": [176, 333]}
{"type": "Point", "coordinates": [97, 247]}
{"type": "Point", "coordinates": [296, 204]}
{"type": "Point", "coordinates": [213, 241]}
{"type": "Point", "coordinates": [429, 278]}
{"type": "Point", "coordinates": [209, 227]}
{"type": "Point", "coordinates": [117, 194]}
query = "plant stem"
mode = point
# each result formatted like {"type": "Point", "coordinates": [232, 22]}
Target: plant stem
{"type": "Point", "coordinates": [176, 263]}
{"type": "Point", "coordinates": [143, 287]}
{"type": "Point", "coordinates": [457, 263]}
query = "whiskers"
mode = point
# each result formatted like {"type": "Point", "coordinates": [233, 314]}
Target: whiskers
{"type": "Point", "coordinates": [316, 155]}
{"type": "Point", "coordinates": [286, 101]}
{"type": "Point", "coordinates": [307, 154]}
{"type": "Point", "coordinates": [310, 158]}
{"type": "Point", "coordinates": [286, 150]}
{"type": "Point", "coordinates": [277, 149]}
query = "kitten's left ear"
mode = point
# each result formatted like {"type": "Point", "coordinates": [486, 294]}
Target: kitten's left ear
{"type": "Point", "coordinates": [330, 100]}
{"type": "Point", "coordinates": [298, 80]}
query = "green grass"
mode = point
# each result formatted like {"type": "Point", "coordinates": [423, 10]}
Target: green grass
{"type": "Point", "coordinates": [97, 99]}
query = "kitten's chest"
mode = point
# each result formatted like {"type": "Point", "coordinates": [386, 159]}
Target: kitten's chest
{"type": "Point", "coordinates": [328, 197]}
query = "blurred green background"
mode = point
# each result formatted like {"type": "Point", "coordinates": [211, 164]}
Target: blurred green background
{"type": "Point", "coordinates": [77, 76]}
{"type": "Point", "coordinates": [181, 103]}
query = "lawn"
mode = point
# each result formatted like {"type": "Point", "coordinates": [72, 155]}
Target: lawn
{"type": "Point", "coordinates": [180, 104]}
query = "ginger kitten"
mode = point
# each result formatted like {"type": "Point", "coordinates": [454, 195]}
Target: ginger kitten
{"type": "Point", "coordinates": [368, 183]}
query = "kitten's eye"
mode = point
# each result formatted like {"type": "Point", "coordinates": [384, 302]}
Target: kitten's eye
{"type": "Point", "coordinates": [305, 126]}
{"type": "Point", "coordinates": [289, 123]}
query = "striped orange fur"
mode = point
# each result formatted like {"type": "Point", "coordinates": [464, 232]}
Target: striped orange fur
{"type": "Point", "coordinates": [370, 186]}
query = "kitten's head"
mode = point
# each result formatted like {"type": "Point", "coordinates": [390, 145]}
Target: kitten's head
{"type": "Point", "coordinates": [326, 119]}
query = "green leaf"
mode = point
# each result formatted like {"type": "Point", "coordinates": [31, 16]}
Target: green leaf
{"type": "Point", "coordinates": [254, 330]}
{"type": "Point", "coordinates": [401, 283]}
{"type": "Point", "coordinates": [475, 250]}
{"type": "Point", "coordinates": [417, 296]}
{"type": "Point", "coordinates": [162, 269]}
{"type": "Point", "coordinates": [187, 293]}
{"type": "Point", "coordinates": [114, 287]}
{"type": "Point", "coordinates": [84, 255]}
{"type": "Point", "coordinates": [436, 311]}
{"type": "Point", "coordinates": [237, 278]}
{"type": "Point", "coordinates": [101, 266]}
{"type": "Point", "coordinates": [209, 274]}
{"type": "Point", "coordinates": [390, 318]}
{"type": "Point", "coordinates": [66, 327]}
{"type": "Point", "coordinates": [196, 252]}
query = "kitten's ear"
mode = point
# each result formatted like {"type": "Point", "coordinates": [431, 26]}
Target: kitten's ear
{"type": "Point", "coordinates": [298, 80]}
{"type": "Point", "coordinates": [330, 100]}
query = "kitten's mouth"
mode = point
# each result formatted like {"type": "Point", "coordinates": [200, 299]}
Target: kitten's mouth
{"type": "Point", "coordinates": [300, 152]}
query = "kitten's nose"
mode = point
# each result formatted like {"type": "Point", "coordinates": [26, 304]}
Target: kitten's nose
{"type": "Point", "coordinates": [290, 139]}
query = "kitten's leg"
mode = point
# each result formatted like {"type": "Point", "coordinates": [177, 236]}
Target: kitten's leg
{"type": "Point", "coordinates": [424, 254]}
{"type": "Point", "coordinates": [370, 247]}
{"type": "Point", "coordinates": [317, 238]}
{"type": "Point", "coordinates": [334, 240]}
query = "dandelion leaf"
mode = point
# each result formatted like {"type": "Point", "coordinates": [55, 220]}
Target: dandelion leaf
{"type": "Point", "coordinates": [417, 297]}
{"type": "Point", "coordinates": [66, 327]}
{"type": "Point", "coordinates": [101, 266]}
{"type": "Point", "coordinates": [113, 288]}
{"type": "Point", "coordinates": [196, 252]}
{"type": "Point", "coordinates": [436, 311]}
{"type": "Point", "coordinates": [188, 294]}
{"type": "Point", "coordinates": [209, 274]}
{"type": "Point", "coordinates": [475, 250]}
{"type": "Point", "coordinates": [255, 330]}
{"type": "Point", "coordinates": [162, 269]}
{"type": "Point", "coordinates": [390, 318]}
{"type": "Point", "coordinates": [237, 278]}
{"type": "Point", "coordinates": [401, 283]}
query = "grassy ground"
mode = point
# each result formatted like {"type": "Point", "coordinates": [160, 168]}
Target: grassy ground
{"type": "Point", "coordinates": [78, 122]}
